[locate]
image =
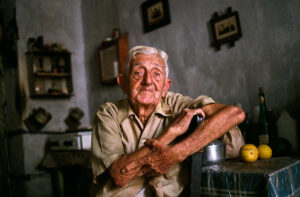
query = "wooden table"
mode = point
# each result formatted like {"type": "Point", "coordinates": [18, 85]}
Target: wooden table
{"type": "Point", "coordinates": [271, 177]}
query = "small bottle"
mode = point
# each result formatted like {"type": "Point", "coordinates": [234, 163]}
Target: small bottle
{"type": "Point", "coordinates": [263, 134]}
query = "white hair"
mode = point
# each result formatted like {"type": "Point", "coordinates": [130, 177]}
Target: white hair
{"type": "Point", "coordinates": [147, 51]}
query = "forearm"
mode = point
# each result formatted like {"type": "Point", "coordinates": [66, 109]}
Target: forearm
{"type": "Point", "coordinates": [210, 129]}
{"type": "Point", "coordinates": [163, 156]}
{"type": "Point", "coordinates": [133, 165]}
{"type": "Point", "coordinates": [116, 171]}
{"type": "Point", "coordinates": [181, 125]}
{"type": "Point", "coordinates": [167, 137]}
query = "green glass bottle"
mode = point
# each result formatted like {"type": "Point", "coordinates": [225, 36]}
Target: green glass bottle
{"type": "Point", "coordinates": [263, 134]}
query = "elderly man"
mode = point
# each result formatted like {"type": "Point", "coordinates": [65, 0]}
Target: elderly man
{"type": "Point", "coordinates": [123, 164]}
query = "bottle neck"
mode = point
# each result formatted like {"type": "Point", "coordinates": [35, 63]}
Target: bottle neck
{"type": "Point", "coordinates": [262, 111]}
{"type": "Point", "coordinates": [262, 100]}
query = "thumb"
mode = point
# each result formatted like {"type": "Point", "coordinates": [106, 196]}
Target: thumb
{"type": "Point", "coordinates": [156, 144]}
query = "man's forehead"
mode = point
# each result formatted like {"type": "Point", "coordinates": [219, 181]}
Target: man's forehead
{"type": "Point", "coordinates": [141, 59]}
{"type": "Point", "coordinates": [140, 63]}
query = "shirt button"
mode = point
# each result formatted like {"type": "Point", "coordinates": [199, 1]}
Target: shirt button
{"type": "Point", "coordinates": [143, 140]}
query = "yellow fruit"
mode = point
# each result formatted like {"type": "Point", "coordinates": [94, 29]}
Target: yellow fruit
{"type": "Point", "coordinates": [249, 153]}
{"type": "Point", "coordinates": [265, 152]}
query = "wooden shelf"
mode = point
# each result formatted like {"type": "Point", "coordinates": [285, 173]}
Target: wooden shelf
{"type": "Point", "coordinates": [50, 74]}
{"type": "Point", "coordinates": [48, 53]}
{"type": "Point", "coordinates": [51, 95]}
{"type": "Point", "coordinates": [43, 83]}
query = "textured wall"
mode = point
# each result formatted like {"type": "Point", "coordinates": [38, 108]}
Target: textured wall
{"type": "Point", "coordinates": [99, 17]}
{"type": "Point", "coordinates": [58, 22]}
{"type": "Point", "coordinates": [267, 54]}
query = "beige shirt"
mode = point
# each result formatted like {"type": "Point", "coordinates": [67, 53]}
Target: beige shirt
{"type": "Point", "coordinates": [117, 131]}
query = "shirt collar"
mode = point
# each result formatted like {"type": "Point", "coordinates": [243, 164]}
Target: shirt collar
{"type": "Point", "coordinates": [125, 110]}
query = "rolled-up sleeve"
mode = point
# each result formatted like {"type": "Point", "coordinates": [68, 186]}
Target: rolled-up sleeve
{"type": "Point", "coordinates": [178, 102]}
{"type": "Point", "coordinates": [106, 140]}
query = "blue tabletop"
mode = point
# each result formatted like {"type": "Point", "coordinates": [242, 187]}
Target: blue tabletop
{"type": "Point", "coordinates": [269, 177]}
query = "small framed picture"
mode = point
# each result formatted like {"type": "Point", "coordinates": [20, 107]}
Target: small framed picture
{"type": "Point", "coordinates": [225, 28]}
{"type": "Point", "coordinates": [155, 14]}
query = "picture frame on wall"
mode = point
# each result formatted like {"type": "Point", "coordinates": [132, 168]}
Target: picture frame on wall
{"type": "Point", "coordinates": [155, 14]}
{"type": "Point", "coordinates": [225, 28]}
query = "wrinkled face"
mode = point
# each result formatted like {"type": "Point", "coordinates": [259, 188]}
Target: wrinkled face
{"type": "Point", "coordinates": [147, 80]}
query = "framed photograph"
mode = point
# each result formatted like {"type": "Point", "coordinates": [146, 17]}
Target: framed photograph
{"type": "Point", "coordinates": [155, 14]}
{"type": "Point", "coordinates": [225, 28]}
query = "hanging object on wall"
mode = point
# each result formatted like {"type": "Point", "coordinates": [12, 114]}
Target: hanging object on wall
{"type": "Point", "coordinates": [113, 53]}
{"type": "Point", "coordinates": [155, 14]}
{"type": "Point", "coordinates": [73, 119]}
{"type": "Point", "coordinates": [225, 28]}
{"type": "Point", "coordinates": [37, 119]}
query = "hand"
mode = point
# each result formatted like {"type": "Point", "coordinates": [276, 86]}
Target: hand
{"type": "Point", "coordinates": [147, 171]}
{"type": "Point", "coordinates": [183, 120]}
{"type": "Point", "coordinates": [161, 159]}
{"type": "Point", "coordinates": [145, 168]}
{"type": "Point", "coordinates": [158, 162]}
{"type": "Point", "coordinates": [129, 166]}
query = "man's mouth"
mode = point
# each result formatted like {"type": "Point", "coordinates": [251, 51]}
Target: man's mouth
{"type": "Point", "coordinates": [147, 90]}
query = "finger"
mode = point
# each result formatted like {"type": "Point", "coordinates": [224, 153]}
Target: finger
{"type": "Point", "coordinates": [139, 173]}
{"type": "Point", "coordinates": [156, 160]}
{"type": "Point", "coordinates": [200, 112]}
{"type": "Point", "coordinates": [153, 174]}
{"type": "Point", "coordinates": [185, 110]}
{"type": "Point", "coordinates": [133, 165]}
{"type": "Point", "coordinates": [159, 169]}
{"type": "Point", "coordinates": [188, 115]}
{"type": "Point", "coordinates": [183, 113]}
{"type": "Point", "coordinates": [156, 144]}
{"type": "Point", "coordinates": [136, 163]}
{"type": "Point", "coordinates": [146, 169]}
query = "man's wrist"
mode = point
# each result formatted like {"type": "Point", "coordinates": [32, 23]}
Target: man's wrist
{"type": "Point", "coordinates": [179, 153]}
{"type": "Point", "coordinates": [168, 136]}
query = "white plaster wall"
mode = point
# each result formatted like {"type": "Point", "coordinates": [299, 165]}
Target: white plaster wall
{"type": "Point", "coordinates": [58, 22]}
{"type": "Point", "coordinates": [267, 55]}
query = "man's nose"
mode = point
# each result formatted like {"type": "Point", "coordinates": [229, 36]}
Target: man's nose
{"type": "Point", "coordinates": [147, 78]}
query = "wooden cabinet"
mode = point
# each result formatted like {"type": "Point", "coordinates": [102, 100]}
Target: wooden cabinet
{"type": "Point", "coordinates": [49, 74]}
{"type": "Point", "coordinates": [112, 58]}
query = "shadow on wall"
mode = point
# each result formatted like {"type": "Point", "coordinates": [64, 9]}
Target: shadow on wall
{"type": "Point", "coordinates": [294, 110]}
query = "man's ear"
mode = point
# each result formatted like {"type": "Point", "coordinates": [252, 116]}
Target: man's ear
{"type": "Point", "coordinates": [168, 84]}
{"type": "Point", "coordinates": [122, 83]}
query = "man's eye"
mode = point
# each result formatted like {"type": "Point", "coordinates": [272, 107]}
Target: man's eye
{"type": "Point", "coordinates": [138, 73]}
{"type": "Point", "coordinates": [156, 74]}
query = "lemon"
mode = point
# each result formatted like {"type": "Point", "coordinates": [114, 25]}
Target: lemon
{"type": "Point", "coordinates": [265, 152]}
{"type": "Point", "coordinates": [249, 153]}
